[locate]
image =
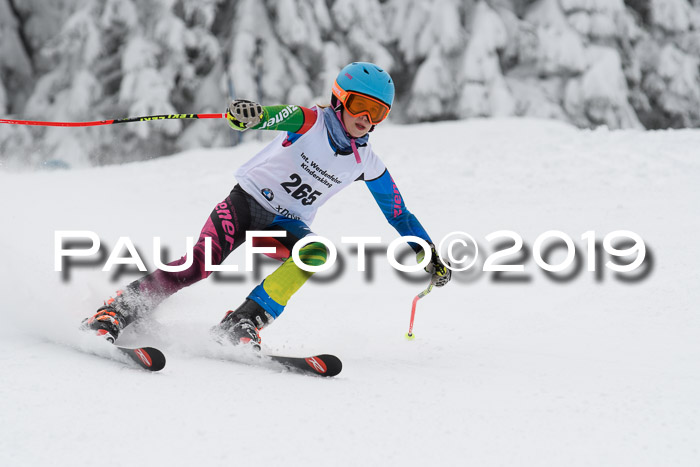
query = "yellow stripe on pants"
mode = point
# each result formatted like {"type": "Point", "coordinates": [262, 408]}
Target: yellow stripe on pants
{"type": "Point", "coordinates": [288, 278]}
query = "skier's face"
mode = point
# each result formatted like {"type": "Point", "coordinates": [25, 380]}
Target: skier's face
{"type": "Point", "coordinates": [356, 126]}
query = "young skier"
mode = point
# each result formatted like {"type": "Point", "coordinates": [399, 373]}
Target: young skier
{"type": "Point", "coordinates": [321, 151]}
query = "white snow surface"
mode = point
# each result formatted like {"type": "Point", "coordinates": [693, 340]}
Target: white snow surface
{"type": "Point", "coordinates": [584, 372]}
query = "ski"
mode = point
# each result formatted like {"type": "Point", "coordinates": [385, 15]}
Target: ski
{"type": "Point", "coordinates": [251, 354]}
{"type": "Point", "coordinates": [147, 358]}
{"type": "Point", "coordinates": [317, 365]}
{"type": "Point", "coordinates": [321, 365]}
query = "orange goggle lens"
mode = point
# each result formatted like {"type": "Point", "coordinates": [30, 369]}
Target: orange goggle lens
{"type": "Point", "coordinates": [358, 104]}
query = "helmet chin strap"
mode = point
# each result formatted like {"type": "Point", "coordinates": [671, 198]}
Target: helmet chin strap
{"type": "Point", "coordinates": [338, 113]}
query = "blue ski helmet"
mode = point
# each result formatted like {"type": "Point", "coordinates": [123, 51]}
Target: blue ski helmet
{"type": "Point", "coordinates": [365, 78]}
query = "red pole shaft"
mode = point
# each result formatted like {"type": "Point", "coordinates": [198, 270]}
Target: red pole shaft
{"type": "Point", "coordinates": [413, 307]}
{"type": "Point", "coordinates": [413, 315]}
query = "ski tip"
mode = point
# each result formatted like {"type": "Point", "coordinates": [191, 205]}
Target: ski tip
{"type": "Point", "coordinates": [325, 365]}
{"type": "Point", "coordinates": [158, 359]}
{"type": "Point", "coordinates": [147, 357]}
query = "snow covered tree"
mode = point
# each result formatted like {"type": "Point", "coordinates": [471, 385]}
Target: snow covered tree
{"type": "Point", "coordinates": [115, 58]}
{"type": "Point", "coordinates": [599, 95]}
{"type": "Point", "coordinates": [669, 67]}
{"type": "Point", "coordinates": [619, 63]}
{"type": "Point", "coordinates": [16, 69]}
{"type": "Point", "coordinates": [69, 89]}
{"type": "Point", "coordinates": [485, 92]}
{"type": "Point", "coordinates": [431, 37]}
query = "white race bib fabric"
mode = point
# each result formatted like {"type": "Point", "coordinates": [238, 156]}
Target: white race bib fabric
{"type": "Point", "coordinates": [294, 181]}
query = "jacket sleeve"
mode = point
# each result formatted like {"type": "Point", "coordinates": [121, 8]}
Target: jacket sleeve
{"type": "Point", "coordinates": [390, 201]}
{"type": "Point", "coordinates": [290, 118]}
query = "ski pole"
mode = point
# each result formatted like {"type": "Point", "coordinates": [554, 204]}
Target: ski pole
{"type": "Point", "coordinates": [147, 118]}
{"type": "Point", "coordinates": [409, 334]}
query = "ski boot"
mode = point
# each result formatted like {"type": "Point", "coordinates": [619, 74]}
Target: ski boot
{"type": "Point", "coordinates": [108, 321]}
{"type": "Point", "coordinates": [243, 325]}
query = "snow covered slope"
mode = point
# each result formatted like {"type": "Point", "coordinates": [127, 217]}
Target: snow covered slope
{"type": "Point", "coordinates": [589, 371]}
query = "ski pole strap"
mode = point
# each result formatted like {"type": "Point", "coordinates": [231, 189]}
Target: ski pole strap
{"type": "Point", "coordinates": [147, 118]}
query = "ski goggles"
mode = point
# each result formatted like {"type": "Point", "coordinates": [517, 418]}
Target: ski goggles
{"type": "Point", "coordinates": [358, 104]}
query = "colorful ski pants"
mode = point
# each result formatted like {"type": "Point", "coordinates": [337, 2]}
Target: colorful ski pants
{"type": "Point", "coordinates": [227, 226]}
